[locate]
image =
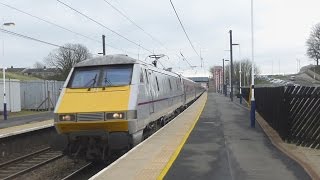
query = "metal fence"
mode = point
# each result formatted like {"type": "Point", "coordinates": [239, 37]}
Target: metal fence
{"type": "Point", "coordinates": [39, 94]}
{"type": "Point", "coordinates": [12, 95]}
{"type": "Point", "coordinates": [294, 112]}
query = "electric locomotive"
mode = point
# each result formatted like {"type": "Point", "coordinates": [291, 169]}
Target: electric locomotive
{"type": "Point", "coordinates": [113, 102]}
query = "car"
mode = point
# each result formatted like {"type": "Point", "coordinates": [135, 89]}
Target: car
{"type": "Point", "coordinates": [292, 78]}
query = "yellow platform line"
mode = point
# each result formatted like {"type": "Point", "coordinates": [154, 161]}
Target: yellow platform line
{"type": "Point", "coordinates": [178, 150]}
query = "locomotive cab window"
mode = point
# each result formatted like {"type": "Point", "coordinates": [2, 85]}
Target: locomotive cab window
{"type": "Point", "coordinates": [117, 75]}
{"type": "Point", "coordinates": [101, 76]}
{"type": "Point", "coordinates": [84, 78]}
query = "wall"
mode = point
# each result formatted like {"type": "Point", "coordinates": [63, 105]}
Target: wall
{"type": "Point", "coordinates": [311, 74]}
{"type": "Point", "coordinates": [12, 95]}
{"type": "Point", "coordinates": [40, 94]}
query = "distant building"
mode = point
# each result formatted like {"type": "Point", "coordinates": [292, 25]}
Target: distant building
{"type": "Point", "coordinates": [204, 81]}
{"type": "Point", "coordinates": [217, 76]}
{"type": "Point", "coordinates": [14, 70]}
{"type": "Point", "coordinates": [40, 72]}
{"type": "Point", "coordinates": [43, 73]}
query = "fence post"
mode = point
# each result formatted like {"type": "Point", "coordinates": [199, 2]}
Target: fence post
{"type": "Point", "coordinates": [49, 101]}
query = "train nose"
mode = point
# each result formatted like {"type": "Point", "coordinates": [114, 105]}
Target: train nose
{"type": "Point", "coordinates": [95, 100]}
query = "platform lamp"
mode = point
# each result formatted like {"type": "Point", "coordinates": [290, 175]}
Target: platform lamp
{"type": "Point", "coordinates": [253, 103]}
{"type": "Point", "coordinates": [5, 113]}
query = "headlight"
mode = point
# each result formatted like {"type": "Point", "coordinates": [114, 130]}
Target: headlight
{"type": "Point", "coordinates": [67, 117]}
{"type": "Point", "coordinates": [131, 114]}
{"type": "Point", "coordinates": [116, 115]}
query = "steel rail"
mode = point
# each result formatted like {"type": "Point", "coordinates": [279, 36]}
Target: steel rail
{"type": "Point", "coordinates": [77, 171]}
{"type": "Point", "coordinates": [27, 163]}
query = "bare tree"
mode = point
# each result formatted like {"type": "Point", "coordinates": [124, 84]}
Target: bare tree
{"type": "Point", "coordinates": [313, 44]}
{"type": "Point", "coordinates": [246, 66]}
{"type": "Point", "coordinates": [38, 65]}
{"type": "Point", "coordinates": [246, 72]}
{"type": "Point", "coordinates": [66, 57]}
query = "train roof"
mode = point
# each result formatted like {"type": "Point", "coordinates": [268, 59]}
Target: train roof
{"type": "Point", "coordinates": [108, 60]}
{"type": "Point", "coordinates": [121, 59]}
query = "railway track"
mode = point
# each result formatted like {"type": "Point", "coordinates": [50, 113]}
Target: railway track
{"type": "Point", "coordinates": [27, 163]}
{"type": "Point", "coordinates": [77, 172]}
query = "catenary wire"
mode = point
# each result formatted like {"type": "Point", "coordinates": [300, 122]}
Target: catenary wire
{"type": "Point", "coordinates": [61, 27]}
{"type": "Point", "coordinates": [52, 23]}
{"type": "Point", "coordinates": [185, 59]}
{"type": "Point", "coordinates": [185, 32]}
{"type": "Point", "coordinates": [33, 39]}
{"type": "Point", "coordinates": [139, 27]}
{"type": "Point", "coordinates": [134, 23]}
{"type": "Point", "coordinates": [102, 25]}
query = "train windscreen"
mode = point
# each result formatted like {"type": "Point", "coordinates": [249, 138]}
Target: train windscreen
{"type": "Point", "coordinates": [101, 76]}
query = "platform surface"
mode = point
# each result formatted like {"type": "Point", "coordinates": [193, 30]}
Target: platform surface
{"type": "Point", "coordinates": [149, 158]}
{"type": "Point", "coordinates": [24, 128]}
{"type": "Point", "coordinates": [25, 119]}
{"type": "Point", "coordinates": [223, 146]}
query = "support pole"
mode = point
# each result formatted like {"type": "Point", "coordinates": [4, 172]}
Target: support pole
{"type": "Point", "coordinates": [223, 81]}
{"type": "Point", "coordinates": [231, 68]}
{"type": "Point", "coordinates": [253, 103]}
{"type": "Point", "coordinates": [104, 45]}
{"type": "Point", "coordinates": [5, 112]}
{"type": "Point", "coordinates": [240, 74]}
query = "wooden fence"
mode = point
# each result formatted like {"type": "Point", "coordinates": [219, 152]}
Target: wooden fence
{"type": "Point", "coordinates": [294, 112]}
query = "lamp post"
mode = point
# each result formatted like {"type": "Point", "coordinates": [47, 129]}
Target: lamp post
{"type": "Point", "coordinates": [231, 64]}
{"type": "Point", "coordinates": [231, 68]}
{"type": "Point", "coordinates": [5, 113]}
{"type": "Point", "coordinates": [253, 104]}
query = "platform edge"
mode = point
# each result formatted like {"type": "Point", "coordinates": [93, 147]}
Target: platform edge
{"type": "Point", "coordinates": [178, 150]}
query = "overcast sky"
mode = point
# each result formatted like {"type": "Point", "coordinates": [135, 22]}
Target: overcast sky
{"type": "Point", "coordinates": [281, 29]}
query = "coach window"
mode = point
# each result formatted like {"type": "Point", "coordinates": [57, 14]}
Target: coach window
{"type": "Point", "coordinates": [146, 76]}
{"type": "Point", "coordinates": [177, 83]}
{"type": "Point", "coordinates": [141, 76]}
{"type": "Point", "coordinates": [157, 83]}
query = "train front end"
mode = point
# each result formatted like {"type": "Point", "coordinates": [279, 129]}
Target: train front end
{"type": "Point", "coordinates": [92, 116]}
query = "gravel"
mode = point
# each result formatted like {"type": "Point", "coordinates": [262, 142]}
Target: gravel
{"type": "Point", "coordinates": [55, 170]}
{"type": "Point", "coordinates": [16, 146]}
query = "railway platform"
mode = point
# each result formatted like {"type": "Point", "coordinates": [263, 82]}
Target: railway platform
{"type": "Point", "coordinates": [26, 123]}
{"type": "Point", "coordinates": [25, 119]}
{"type": "Point", "coordinates": [210, 140]}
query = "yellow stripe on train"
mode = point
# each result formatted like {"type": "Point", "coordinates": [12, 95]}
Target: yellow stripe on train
{"type": "Point", "coordinates": [109, 126]}
{"type": "Point", "coordinates": [94, 100]}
